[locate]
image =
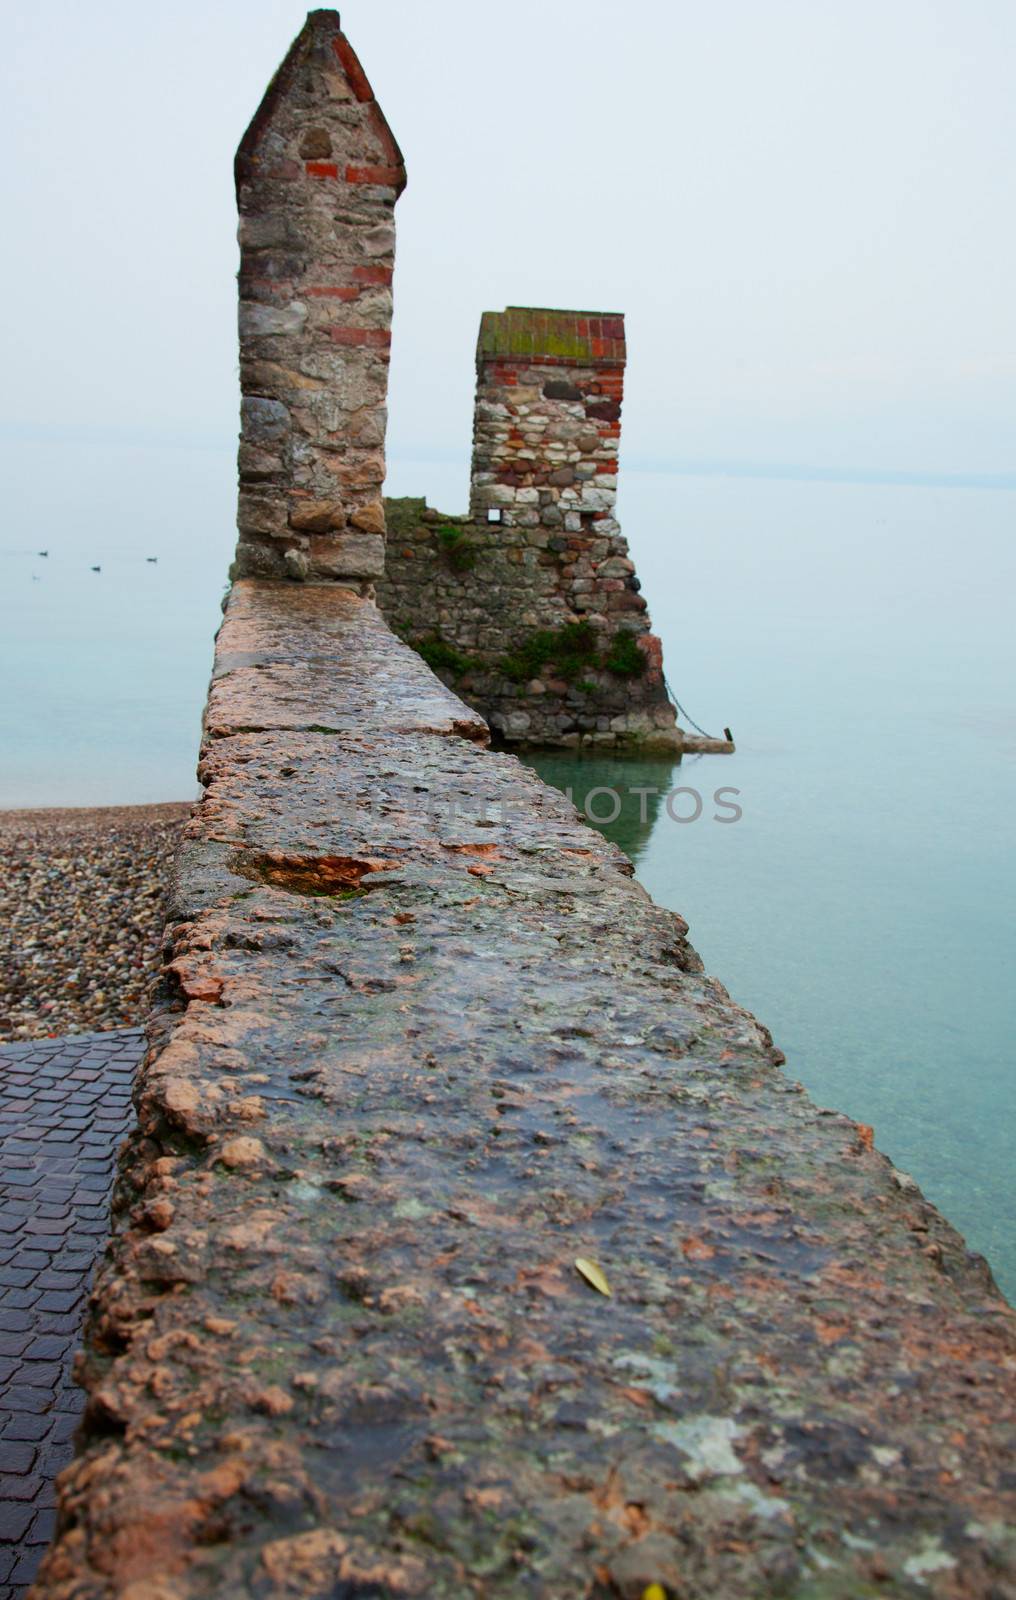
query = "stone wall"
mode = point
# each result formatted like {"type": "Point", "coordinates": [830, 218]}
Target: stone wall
{"type": "Point", "coordinates": [317, 177]}
{"type": "Point", "coordinates": [423, 1051]}
{"type": "Point", "coordinates": [530, 604]}
{"type": "Point", "coordinates": [471, 1241]}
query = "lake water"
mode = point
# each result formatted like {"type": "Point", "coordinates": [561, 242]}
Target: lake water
{"type": "Point", "coordinates": [857, 639]}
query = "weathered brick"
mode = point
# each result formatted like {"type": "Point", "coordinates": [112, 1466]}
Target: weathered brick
{"type": "Point", "coordinates": [352, 68]}
{"type": "Point", "coordinates": [329, 291]}
{"type": "Point", "coordinates": [361, 338]}
{"type": "Point", "coordinates": [373, 274]}
{"type": "Point", "coordinates": [388, 176]}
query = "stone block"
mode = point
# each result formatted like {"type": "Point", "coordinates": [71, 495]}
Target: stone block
{"type": "Point", "coordinates": [347, 555]}
{"type": "Point", "coordinates": [254, 559]}
{"type": "Point", "coordinates": [316, 144]}
{"type": "Point", "coordinates": [261, 513]}
{"type": "Point", "coordinates": [369, 518]}
{"type": "Point", "coordinates": [258, 321]}
{"type": "Point", "coordinates": [317, 516]}
{"type": "Point", "coordinates": [297, 565]}
{"type": "Point", "coordinates": [264, 421]}
{"type": "Point", "coordinates": [254, 464]}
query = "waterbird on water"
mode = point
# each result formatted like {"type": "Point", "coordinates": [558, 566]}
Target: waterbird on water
{"type": "Point", "coordinates": [153, 559]}
{"type": "Point", "coordinates": [42, 552]}
{"type": "Point", "coordinates": [96, 569]}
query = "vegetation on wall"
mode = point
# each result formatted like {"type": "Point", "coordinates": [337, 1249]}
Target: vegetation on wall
{"type": "Point", "coordinates": [441, 656]}
{"type": "Point", "coordinates": [624, 658]}
{"type": "Point", "coordinates": [457, 549]}
{"type": "Point", "coordinates": [572, 651]}
{"type": "Point", "coordinates": [404, 515]}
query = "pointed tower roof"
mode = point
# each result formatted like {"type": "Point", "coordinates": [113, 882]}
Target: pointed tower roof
{"type": "Point", "coordinates": [321, 42]}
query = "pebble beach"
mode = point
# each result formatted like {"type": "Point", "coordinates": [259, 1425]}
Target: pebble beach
{"type": "Point", "coordinates": [82, 894]}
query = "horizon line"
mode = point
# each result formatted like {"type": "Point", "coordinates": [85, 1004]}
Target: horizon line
{"type": "Point", "coordinates": [180, 437]}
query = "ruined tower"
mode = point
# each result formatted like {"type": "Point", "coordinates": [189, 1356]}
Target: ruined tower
{"type": "Point", "coordinates": [318, 173]}
{"type": "Point", "coordinates": [547, 426]}
{"type": "Point", "coordinates": [530, 604]}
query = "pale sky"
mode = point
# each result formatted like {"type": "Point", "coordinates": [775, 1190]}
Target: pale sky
{"type": "Point", "coordinates": [804, 207]}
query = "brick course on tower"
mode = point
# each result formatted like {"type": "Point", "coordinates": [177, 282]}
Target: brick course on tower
{"type": "Point", "coordinates": [317, 176]}
{"type": "Point", "coordinates": [531, 604]}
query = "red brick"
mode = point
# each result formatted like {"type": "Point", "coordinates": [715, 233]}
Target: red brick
{"type": "Point", "coordinates": [333, 291]}
{"type": "Point", "coordinates": [282, 169]}
{"type": "Point", "coordinates": [363, 338]}
{"type": "Point", "coordinates": [322, 169]}
{"type": "Point", "coordinates": [352, 68]}
{"type": "Point", "coordinates": [385, 175]}
{"type": "Point", "coordinates": [373, 274]}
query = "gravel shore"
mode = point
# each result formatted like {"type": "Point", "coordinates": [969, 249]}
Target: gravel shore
{"type": "Point", "coordinates": [81, 908]}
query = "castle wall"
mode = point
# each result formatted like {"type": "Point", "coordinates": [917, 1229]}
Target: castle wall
{"type": "Point", "coordinates": [317, 177]}
{"type": "Point", "coordinates": [470, 1239]}
{"type": "Point", "coordinates": [422, 1049]}
{"type": "Point", "coordinates": [541, 550]}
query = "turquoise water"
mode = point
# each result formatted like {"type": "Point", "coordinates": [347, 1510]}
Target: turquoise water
{"type": "Point", "coordinates": [104, 674]}
{"type": "Point", "coordinates": [858, 641]}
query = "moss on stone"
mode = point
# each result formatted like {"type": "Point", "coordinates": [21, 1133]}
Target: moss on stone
{"type": "Point", "coordinates": [572, 650]}
{"type": "Point", "coordinates": [624, 658]}
{"type": "Point", "coordinates": [568, 650]}
{"type": "Point", "coordinates": [403, 516]}
{"type": "Point", "coordinates": [457, 549]}
{"type": "Point", "coordinates": [441, 656]}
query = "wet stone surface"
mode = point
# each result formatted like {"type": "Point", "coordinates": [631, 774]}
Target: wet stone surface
{"type": "Point", "coordinates": [64, 1107]}
{"type": "Point", "coordinates": [411, 1060]}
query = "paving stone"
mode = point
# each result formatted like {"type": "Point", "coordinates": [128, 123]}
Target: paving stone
{"type": "Point", "coordinates": [26, 1397]}
{"type": "Point", "coordinates": [20, 1425]}
{"type": "Point", "coordinates": [54, 1180]}
{"type": "Point", "coordinates": [41, 1530]}
{"type": "Point", "coordinates": [64, 1426]}
{"type": "Point", "coordinates": [13, 1487]}
{"type": "Point", "coordinates": [27, 1565]}
{"type": "Point", "coordinates": [42, 1374]}
{"type": "Point", "coordinates": [18, 1300]}
{"type": "Point", "coordinates": [15, 1518]}
{"type": "Point", "coordinates": [45, 1347]}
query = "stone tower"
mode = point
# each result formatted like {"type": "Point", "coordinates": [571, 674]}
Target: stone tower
{"type": "Point", "coordinates": [547, 425]}
{"type": "Point", "coordinates": [530, 604]}
{"type": "Point", "coordinates": [318, 173]}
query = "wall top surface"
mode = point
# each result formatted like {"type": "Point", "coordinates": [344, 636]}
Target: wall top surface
{"type": "Point", "coordinates": [573, 338]}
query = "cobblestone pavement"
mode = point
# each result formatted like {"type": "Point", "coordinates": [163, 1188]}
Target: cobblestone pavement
{"type": "Point", "coordinates": [64, 1107]}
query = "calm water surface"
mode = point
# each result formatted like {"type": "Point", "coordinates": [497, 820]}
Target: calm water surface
{"type": "Point", "coordinates": [858, 640]}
